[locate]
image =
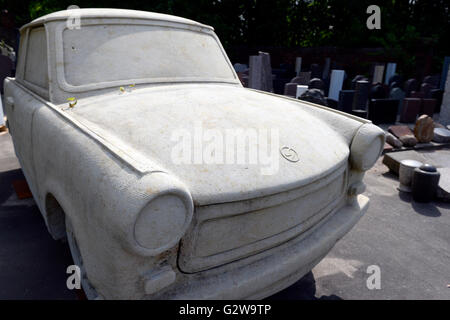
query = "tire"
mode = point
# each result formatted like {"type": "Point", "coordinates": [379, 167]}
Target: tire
{"type": "Point", "coordinates": [88, 289]}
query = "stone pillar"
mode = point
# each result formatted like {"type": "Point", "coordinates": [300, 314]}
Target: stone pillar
{"type": "Point", "coordinates": [390, 71]}
{"type": "Point", "coordinates": [255, 72]}
{"type": "Point", "coordinates": [267, 80]}
{"type": "Point", "coordinates": [337, 79]}
{"type": "Point", "coordinates": [445, 68]}
{"type": "Point", "coordinates": [326, 69]}
{"type": "Point", "coordinates": [378, 71]}
{"type": "Point", "coordinates": [260, 73]}
{"type": "Point", "coordinates": [361, 95]}
{"type": "Point", "coordinates": [2, 121]}
{"type": "Point", "coordinates": [298, 65]}
{"type": "Point", "coordinates": [444, 116]}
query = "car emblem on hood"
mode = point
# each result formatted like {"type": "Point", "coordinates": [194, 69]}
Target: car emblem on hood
{"type": "Point", "coordinates": [289, 154]}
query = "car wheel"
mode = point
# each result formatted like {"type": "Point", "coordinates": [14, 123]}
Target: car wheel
{"type": "Point", "coordinates": [88, 289]}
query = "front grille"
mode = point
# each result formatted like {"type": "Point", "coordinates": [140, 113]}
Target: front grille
{"type": "Point", "coordinates": [216, 239]}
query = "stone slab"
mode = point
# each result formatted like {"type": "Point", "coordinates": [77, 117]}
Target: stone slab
{"type": "Point", "coordinates": [438, 158]}
{"type": "Point", "coordinates": [400, 131]}
{"type": "Point", "coordinates": [441, 135]}
{"type": "Point", "coordinates": [444, 184]}
{"type": "Point", "coordinates": [392, 160]}
{"type": "Point", "coordinates": [444, 116]}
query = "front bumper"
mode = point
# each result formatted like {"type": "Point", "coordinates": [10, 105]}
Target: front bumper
{"type": "Point", "coordinates": [269, 272]}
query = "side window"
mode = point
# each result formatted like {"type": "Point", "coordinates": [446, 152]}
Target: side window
{"type": "Point", "coordinates": [36, 66]}
{"type": "Point", "coordinates": [21, 55]}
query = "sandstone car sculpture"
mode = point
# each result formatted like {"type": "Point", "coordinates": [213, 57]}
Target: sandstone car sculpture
{"type": "Point", "coordinates": [96, 98]}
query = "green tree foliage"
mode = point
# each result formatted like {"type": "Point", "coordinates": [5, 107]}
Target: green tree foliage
{"type": "Point", "coordinates": [405, 24]}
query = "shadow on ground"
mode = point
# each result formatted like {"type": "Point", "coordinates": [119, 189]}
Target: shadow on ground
{"type": "Point", "coordinates": [32, 264]}
{"type": "Point", "coordinates": [304, 289]}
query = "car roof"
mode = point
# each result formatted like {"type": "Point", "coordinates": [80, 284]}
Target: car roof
{"type": "Point", "coordinates": [113, 13]}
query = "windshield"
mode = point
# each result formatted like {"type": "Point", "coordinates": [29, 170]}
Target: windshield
{"type": "Point", "coordinates": [110, 53]}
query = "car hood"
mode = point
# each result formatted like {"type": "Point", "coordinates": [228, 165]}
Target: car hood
{"type": "Point", "coordinates": [155, 124]}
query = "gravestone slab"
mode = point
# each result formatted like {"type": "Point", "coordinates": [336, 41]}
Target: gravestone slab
{"type": "Point", "coordinates": [6, 69]}
{"type": "Point", "coordinates": [290, 89]}
{"type": "Point", "coordinates": [428, 107]}
{"type": "Point", "coordinates": [432, 80]}
{"type": "Point", "coordinates": [2, 120]}
{"type": "Point", "coordinates": [267, 78]}
{"type": "Point", "coordinates": [377, 92]}
{"type": "Point", "coordinates": [239, 67]}
{"type": "Point", "coordinates": [345, 101]}
{"type": "Point", "coordinates": [378, 72]}
{"type": "Point", "coordinates": [383, 111]}
{"type": "Point", "coordinates": [396, 78]}
{"type": "Point", "coordinates": [316, 83]}
{"type": "Point", "coordinates": [437, 94]}
{"type": "Point", "coordinates": [300, 90]}
{"type": "Point", "coordinates": [398, 94]}
{"type": "Point", "coordinates": [260, 72]}
{"type": "Point", "coordinates": [392, 160]}
{"type": "Point", "coordinates": [336, 82]}
{"type": "Point", "coordinates": [445, 68]}
{"type": "Point", "coordinates": [298, 65]}
{"type": "Point", "coordinates": [410, 109]}
{"type": "Point", "coordinates": [410, 86]}
{"type": "Point", "coordinates": [390, 71]}
{"type": "Point", "coordinates": [316, 72]}
{"type": "Point", "coordinates": [326, 68]}
{"type": "Point", "coordinates": [314, 96]}
{"type": "Point", "coordinates": [426, 89]}
{"type": "Point", "coordinates": [394, 84]}
{"type": "Point", "coordinates": [437, 158]}
{"type": "Point", "coordinates": [361, 95]}
{"type": "Point", "coordinates": [417, 94]}
{"type": "Point", "coordinates": [443, 191]}
{"type": "Point", "coordinates": [356, 79]}
{"type": "Point", "coordinates": [444, 116]}
{"type": "Point", "coordinates": [302, 78]}
{"type": "Point", "coordinates": [255, 80]}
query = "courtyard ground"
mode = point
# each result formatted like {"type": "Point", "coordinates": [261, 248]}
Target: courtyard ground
{"type": "Point", "coordinates": [408, 241]}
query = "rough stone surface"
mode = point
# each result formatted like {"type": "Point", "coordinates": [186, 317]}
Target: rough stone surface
{"type": "Point", "coordinates": [393, 141]}
{"type": "Point", "coordinates": [400, 130]}
{"type": "Point", "coordinates": [408, 140]}
{"type": "Point", "coordinates": [129, 173]}
{"type": "Point", "coordinates": [314, 96]}
{"type": "Point", "coordinates": [423, 129]}
{"type": "Point", "coordinates": [316, 83]}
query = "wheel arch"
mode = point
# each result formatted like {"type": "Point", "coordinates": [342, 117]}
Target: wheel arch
{"type": "Point", "coordinates": [55, 216]}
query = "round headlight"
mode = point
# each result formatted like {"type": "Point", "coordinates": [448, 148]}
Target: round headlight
{"type": "Point", "coordinates": [366, 147]}
{"type": "Point", "coordinates": [162, 223]}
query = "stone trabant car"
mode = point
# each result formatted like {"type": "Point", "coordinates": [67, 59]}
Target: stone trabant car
{"type": "Point", "coordinates": [92, 109]}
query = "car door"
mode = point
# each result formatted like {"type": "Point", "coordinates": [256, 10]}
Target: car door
{"type": "Point", "coordinates": [22, 100]}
